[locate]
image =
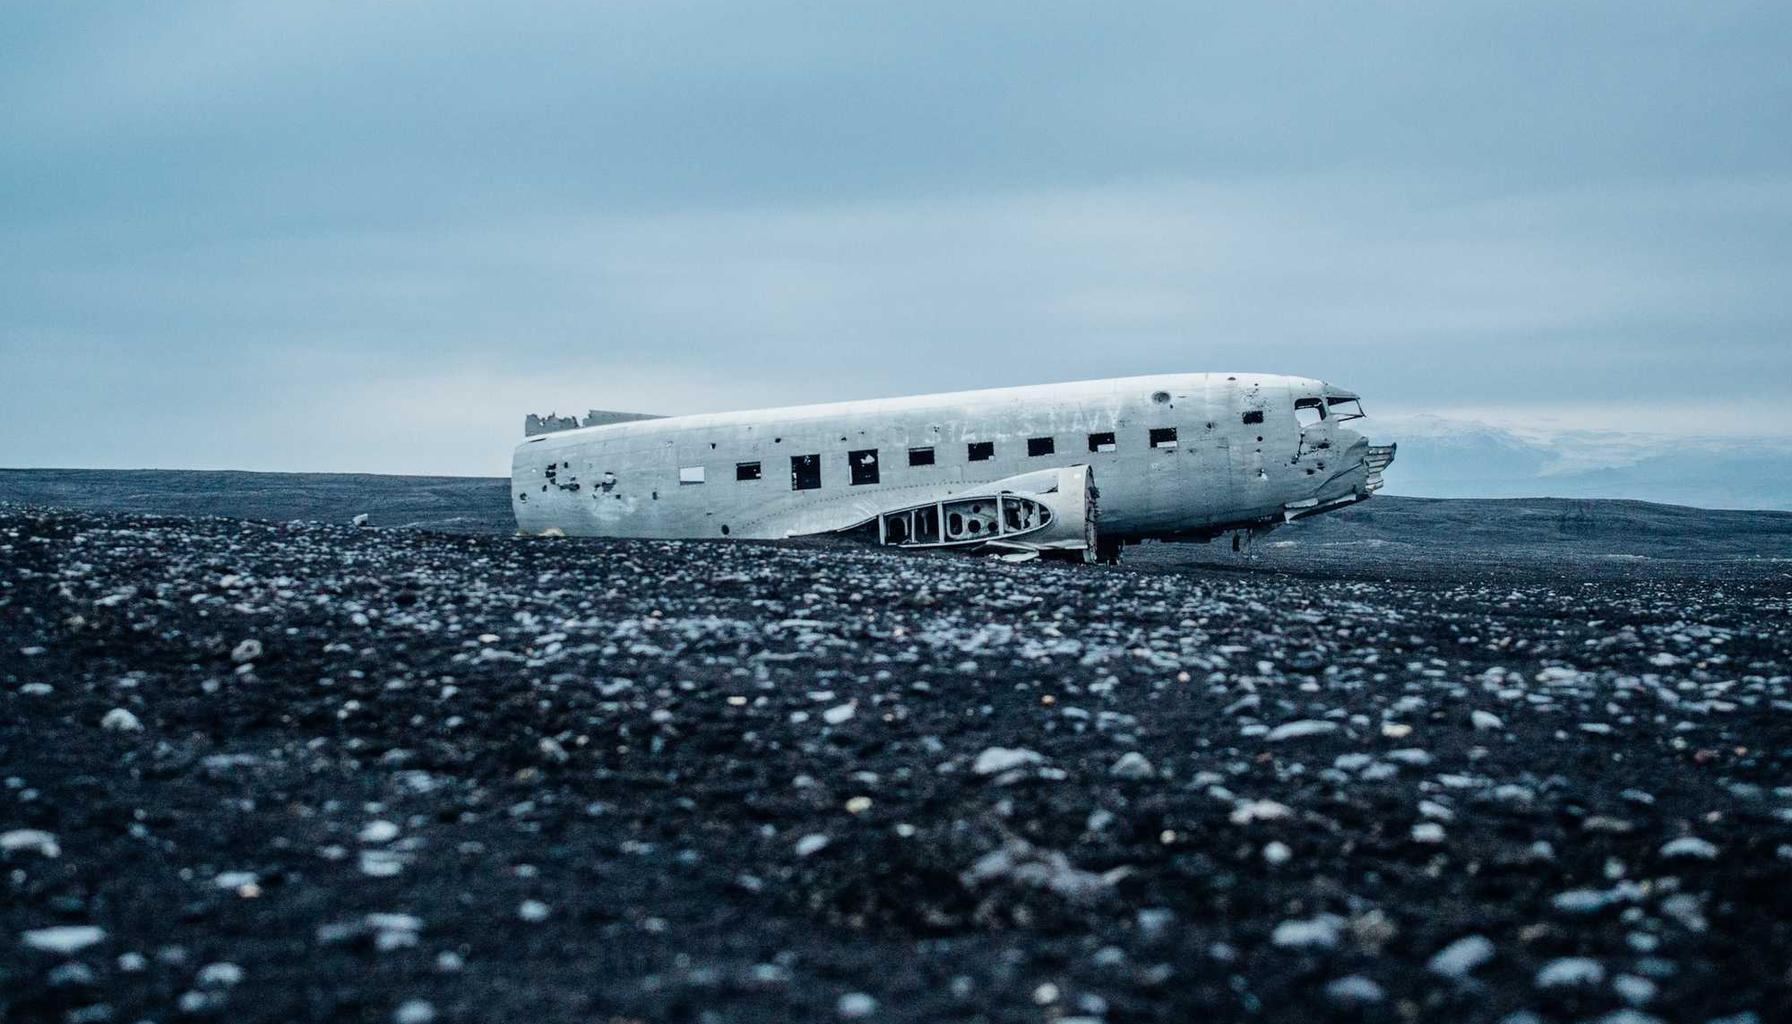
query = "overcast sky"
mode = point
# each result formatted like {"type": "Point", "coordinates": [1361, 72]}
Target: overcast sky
{"type": "Point", "coordinates": [373, 236]}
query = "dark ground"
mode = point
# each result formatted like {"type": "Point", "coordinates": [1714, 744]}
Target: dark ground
{"type": "Point", "coordinates": [306, 772]}
{"type": "Point", "coordinates": [453, 504]}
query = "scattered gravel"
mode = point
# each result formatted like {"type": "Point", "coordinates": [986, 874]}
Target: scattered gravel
{"type": "Point", "coordinates": [475, 778]}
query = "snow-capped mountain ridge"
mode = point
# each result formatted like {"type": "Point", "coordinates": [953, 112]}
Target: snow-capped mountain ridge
{"type": "Point", "coordinates": [1445, 456]}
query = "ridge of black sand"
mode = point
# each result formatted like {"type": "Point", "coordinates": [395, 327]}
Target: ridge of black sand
{"type": "Point", "coordinates": [305, 772]}
{"type": "Point", "coordinates": [448, 503]}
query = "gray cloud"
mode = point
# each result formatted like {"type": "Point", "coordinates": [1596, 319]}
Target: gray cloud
{"type": "Point", "coordinates": [371, 238]}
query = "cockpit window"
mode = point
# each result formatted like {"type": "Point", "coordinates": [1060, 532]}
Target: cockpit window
{"type": "Point", "coordinates": [1346, 408]}
{"type": "Point", "coordinates": [1309, 411]}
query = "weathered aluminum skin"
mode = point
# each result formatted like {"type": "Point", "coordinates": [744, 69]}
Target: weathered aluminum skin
{"type": "Point", "coordinates": [624, 479]}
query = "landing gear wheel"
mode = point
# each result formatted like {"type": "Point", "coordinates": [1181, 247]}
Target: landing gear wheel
{"type": "Point", "coordinates": [1107, 551]}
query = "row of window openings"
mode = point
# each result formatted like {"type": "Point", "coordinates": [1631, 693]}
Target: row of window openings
{"type": "Point", "coordinates": [805, 470]}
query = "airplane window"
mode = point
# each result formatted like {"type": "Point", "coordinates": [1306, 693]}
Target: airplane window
{"type": "Point", "coordinates": [746, 471]}
{"type": "Point", "coordinates": [864, 465]}
{"type": "Point", "coordinates": [690, 475]}
{"type": "Point", "coordinates": [1037, 446]}
{"type": "Point", "coordinates": [1102, 442]}
{"type": "Point", "coordinates": [980, 451]}
{"type": "Point", "coordinates": [1346, 408]}
{"type": "Point", "coordinates": [1309, 411]}
{"type": "Point", "coordinates": [1163, 437]}
{"type": "Point", "coordinates": [805, 472]}
{"type": "Point", "coordinates": [1253, 416]}
{"type": "Point", "coordinates": [920, 456]}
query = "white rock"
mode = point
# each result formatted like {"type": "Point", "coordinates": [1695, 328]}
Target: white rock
{"type": "Point", "coordinates": [73, 974]}
{"type": "Point", "coordinates": [1153, 922]}
{"type": "Point", "coordinates": [380, 863]}
{"type": "Point", "coordinates": [1315, 933]}
{"type": "Point", "coordinates": [120, 720]}
{"type": "Point", "coordinates": [220, 975]}
{"type": "Point", "coordinates": [414, 1011]}
{"type": "Point", "coordinates": [388, 922]}
{"type": "Point", "coordinates": [378, 832]}
{"type": "Point", "coordinates": [1486, 720]}
{"type": "Point", "coordinates": [1460, 958]}
{"type": "Point", "coordinates": [1689, 848]}
{"type": "Point", "coordinates": [1633, 989]}
{"type": "Point", "coordinates": [246, 651]}
{"type": "Point", "coordinates": [856, 1006]}
{"type": "Point", "coordinates": [1581, 901]}
{"type": "Point", "coordinates": [393, 931]}
{"type": "Point", "coordinates": [996, 760]}
{"type": "Point", "coordinates": [1569, 971]}
{"type": "Point", "coordinates": [1684, 908]}
{"type": "Point", "coordinates": [1248, 811]}
{"type": "Point", "coordinates": [1428, 832]}
{"type": "Point", "coordinates": [1132, 765]}
{"type": "Point", "coordinates": [1023, 863]}
{"type": "Point", "coordinates": [29, 839]}
{"type": "Point", "coordinates": [64, 939]}
{"type": "Point", "coordinates": [812, 843]}
{"type": "Point", "coordinates": [1354, 989]}
{"type": "Point", "coordinates": [532, 911]}
{"type": "Point", "coordinates": [1297, 730]}
{"type": "Point", "coordinates": [840, 713]}
{"type": "Point", "coordinates": [1435, 810]}
{"type": "Point", "coordinates": [1276, 853]}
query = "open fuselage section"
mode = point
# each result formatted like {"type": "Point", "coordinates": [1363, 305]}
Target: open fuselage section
{"type": "Point", "coordinates": [1171, 456]}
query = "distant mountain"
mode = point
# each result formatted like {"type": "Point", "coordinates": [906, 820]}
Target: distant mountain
{"type": "Point", "coordinates": [1453, 458]}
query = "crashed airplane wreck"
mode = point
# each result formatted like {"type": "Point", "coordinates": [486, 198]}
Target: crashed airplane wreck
{"type": "Point", "coordinates": [1077, 470]}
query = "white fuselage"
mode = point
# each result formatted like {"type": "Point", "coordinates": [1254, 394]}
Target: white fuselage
{"type": "Point", "coordinates": [1190, 455]}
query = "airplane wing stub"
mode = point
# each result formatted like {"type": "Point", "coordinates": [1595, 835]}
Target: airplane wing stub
{"type": "Point", "coordinates": [1378, 458]}
{"type": "Point", "coordinates": [1050, 510]}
